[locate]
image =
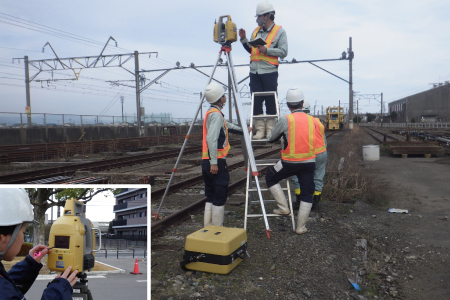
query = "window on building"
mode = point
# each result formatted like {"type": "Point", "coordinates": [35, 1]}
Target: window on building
{"type": "Point", "coordinates": [141, 214]}
{"type": "Point", "coordinates": [134, 216]}
{"type": "Point", "coordinates": [142, 195]}
{"type": "Point", "coordinates": [145, 213]}
{"type": "Point", "coordinates": [135, 197]}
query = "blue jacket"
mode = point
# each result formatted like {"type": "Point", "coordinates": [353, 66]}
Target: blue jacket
{"type": "Point", "coordinates": [15, 283]}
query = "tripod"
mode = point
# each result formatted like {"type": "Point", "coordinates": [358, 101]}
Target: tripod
{"type": "Point", "coordinates": [226, 50]}
{"type": "Point", "coordinates": [81, 289]}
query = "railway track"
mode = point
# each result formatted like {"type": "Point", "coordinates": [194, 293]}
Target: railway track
{"type": "Point", "coordinates": [384, 135]}
{"type": "Point", "coordinates": [43, 151]}
{"type": "Point", "coordinates": [178, 217]}
{"type": "Point", "coordinates": [97, 166]}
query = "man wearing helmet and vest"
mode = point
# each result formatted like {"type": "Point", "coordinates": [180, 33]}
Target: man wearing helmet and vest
{"type": "Point", "coordinates": [264, 64]}
{"type": "Point", "coordinates": [297, 158]}
{"type": "Point", "coordinates": [15, 212]}
{"type": "Point", "coordinates": [215, 149]}
{"type": "Point", "coordinates": [321, 162]}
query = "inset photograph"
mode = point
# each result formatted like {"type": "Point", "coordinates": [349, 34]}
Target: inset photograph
{"type": "Point", "coordinates": [87, 242]}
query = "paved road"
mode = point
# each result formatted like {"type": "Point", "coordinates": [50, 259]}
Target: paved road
{"type": "Point", "coordinates": [110, 286]}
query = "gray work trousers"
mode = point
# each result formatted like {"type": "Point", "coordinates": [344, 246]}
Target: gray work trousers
{"type": "Point", "coordinates": [319, 173]}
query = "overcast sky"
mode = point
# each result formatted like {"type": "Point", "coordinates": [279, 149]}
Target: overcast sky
{"type": "Point", "coordinates": [400, 48]}
{"type": "Point", "coordinates": [99, 209]}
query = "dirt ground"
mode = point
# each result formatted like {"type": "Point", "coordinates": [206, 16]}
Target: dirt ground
{"type": "Point", "coordinates": [391, 256]}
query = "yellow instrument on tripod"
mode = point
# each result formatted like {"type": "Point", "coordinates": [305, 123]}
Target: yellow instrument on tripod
{"type": "Point", "coordinates": [225, 32]}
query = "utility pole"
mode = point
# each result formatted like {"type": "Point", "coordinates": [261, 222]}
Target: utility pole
{"type": "Point", "coordinates": [229, 99]}
{"type": "Point", "coordinates": [27, 85]}
{"type": "Point", "coordinates": [201, 107]}
{"type": "Point", "coordinates": [138, 90]}
{"type": "Point", "coordinates": [350, 92]}
{"type": "Point", "coordinates": [121, 100]}
{"type": "Point", "coordinates": [357, 111]}
{"type": "Point", "coordinates": [381, 118]}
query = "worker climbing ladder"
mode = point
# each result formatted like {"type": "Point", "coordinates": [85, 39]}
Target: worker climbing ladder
{"type": "Point", "coordinates": [251, 189]}
{"type": "Point", "coordinates": [225, 34]}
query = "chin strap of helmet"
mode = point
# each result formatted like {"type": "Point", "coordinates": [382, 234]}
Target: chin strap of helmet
{"type": "Point", "coordinates": [11, 241]}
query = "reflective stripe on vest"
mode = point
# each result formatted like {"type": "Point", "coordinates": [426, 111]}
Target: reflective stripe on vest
{"type": "Point", "coordinates": [301, 145]}
{"type": "Point", "coordinates": [319, 134]}
{"type": "Point", "coordinates": [220, 152]}
{"type": "Point", "coordinates": [256, 55]}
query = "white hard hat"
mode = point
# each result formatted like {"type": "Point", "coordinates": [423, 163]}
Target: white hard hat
{"type": "Point", "coordinates": [306, 107]}
{"type": "Point", "coordinates": [16, 207]}
{"type": "Point", "coordinates": [214, 92]}
{"type": "Point", "coordinates": [294, 95]}
{"type": "Point", "coordinates": [264, 8]}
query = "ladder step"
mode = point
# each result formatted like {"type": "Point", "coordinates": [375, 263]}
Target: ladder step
{"type": "Point", "coordinates": [268, 215]}
{"type": "Point", "coordinates": [271, 93]}
{"type": "Point", "coordinates": [267, 161]}
{"type": "Point", "coordinates": [265, 189]}
{"type": "Point", "coordinates": [265, 116]}
{"type": "Point", "coordinates": [258, 202]}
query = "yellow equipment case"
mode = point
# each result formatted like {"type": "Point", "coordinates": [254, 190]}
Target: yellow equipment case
{"type": "Point", "coordinates": [215, 249]}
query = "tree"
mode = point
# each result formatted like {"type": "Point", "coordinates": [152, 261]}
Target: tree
{"type": "Point", "coordinates": [393, 115]}
{"type": "Point", "coordinates": [370, 117]}
{"type": "Point", "coordinates": [357, 120]}
{"type": "Point", "coordinates": [110, 229]}
{"type": "Point", "coordinates": [43, 199]}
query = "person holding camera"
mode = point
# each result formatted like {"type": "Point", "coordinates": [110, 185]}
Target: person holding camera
{"type": "Point", "coordinates": [15, 212]}
{"type": "Point", "coordinates": [264, 64]}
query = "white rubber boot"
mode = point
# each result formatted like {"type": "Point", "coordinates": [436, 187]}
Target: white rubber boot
{"type": "Point", "coordinates": [260, 125]}
{"type": "Point", "coordinates": [279, 197]}
{"type": "Point", "coordinates": [217, 215]}
{"type": "Point", "coordinates": [303, 214]}
{"type": "Point", "coordinates": [207, 219]}
{"type": "Point", "coordinates": [269, 125]}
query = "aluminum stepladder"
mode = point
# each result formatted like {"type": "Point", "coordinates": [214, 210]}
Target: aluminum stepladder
{"type": "Point", "coordinates": [250, 190]}
{"type": "Point", "coordinates": [252, 169]}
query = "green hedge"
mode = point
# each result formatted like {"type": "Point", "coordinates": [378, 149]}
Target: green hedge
{"type": "Point", "coordinates": [25, 249]}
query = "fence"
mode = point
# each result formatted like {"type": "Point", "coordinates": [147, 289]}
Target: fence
{"type": "Point", "coordinates": [117, 253]}
{"type": "Point", "coordinates": [120, 243]}
{"type": "Point", "coordinates": [20, 120]}
{"type": "Point", "coordinates": [410, 125]}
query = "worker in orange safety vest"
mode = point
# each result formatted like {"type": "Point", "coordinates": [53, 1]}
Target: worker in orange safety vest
{"type": "Point", "coordinates": [321, 162]}
{"type": "Point", "coordinates": [297, 158]}
{"type": "Point", "coordinates": [215, 149]}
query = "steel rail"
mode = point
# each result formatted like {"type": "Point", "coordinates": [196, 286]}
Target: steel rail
{"type": "Point", "coordinates": [25, 177]}
{"type": "Point", "coordinates": [194, 180]}
{"type": "Point", "coordinates": [32, 152]}
{"type": "Point", "coordinates": [184, 214]}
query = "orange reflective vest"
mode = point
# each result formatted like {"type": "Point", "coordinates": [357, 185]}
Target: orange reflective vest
{"type": "Point", "coordinates": [319, 135]}
{"type": "Point", "coordinates": [220, 152]}
{"type": "Point", "coordinates": [301, 142]}
{"type": "Point", "coordinates": [256, 55]}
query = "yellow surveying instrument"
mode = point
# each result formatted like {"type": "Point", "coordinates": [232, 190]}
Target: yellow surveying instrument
{"type": "Point", "coordinates": [72, 237]}
{"type": "Point", "coordinates": [225, 32]}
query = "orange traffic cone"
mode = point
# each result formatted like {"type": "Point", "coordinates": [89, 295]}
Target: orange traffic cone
{"type": "Point", "coordinates": [136, 269]}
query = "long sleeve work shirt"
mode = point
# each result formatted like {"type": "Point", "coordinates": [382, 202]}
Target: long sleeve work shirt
{"type": "Point", "coordinates": [278, 48]}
